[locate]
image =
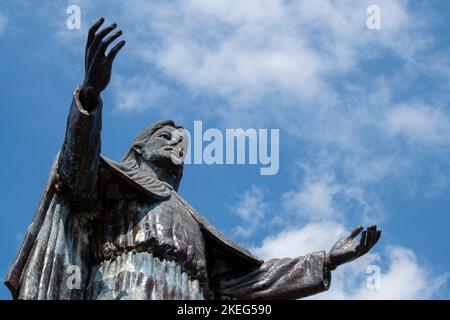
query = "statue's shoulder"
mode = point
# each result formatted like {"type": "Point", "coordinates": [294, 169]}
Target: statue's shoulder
{"type": "Point", "coordinates": [217, 238]}
{"type": "Point", "coordinates": [154, 188]}
{"type": "Point", "coordinates": [132, 180]}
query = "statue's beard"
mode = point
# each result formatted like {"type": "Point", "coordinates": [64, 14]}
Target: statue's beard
{"type": "Point", "coordinates": [165, 160]}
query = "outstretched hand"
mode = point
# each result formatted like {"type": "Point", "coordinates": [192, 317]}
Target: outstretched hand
{"type": "Point", "coordinates": [349, 248]}
{"type": "Point", "coordinates": [98, 65]}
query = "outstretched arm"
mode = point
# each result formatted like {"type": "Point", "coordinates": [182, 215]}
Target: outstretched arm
{"type": "Point", "coordinates": [299, 277]}
{"type": "Point", "coordinates": [80, 155]}
{"type": "Point", "coordinates": [280, 279]}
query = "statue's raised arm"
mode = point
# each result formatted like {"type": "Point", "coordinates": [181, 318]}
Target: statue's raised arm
{"type": "Point", "coordinates": [98, 65]}
{"type": "Point", "coordinates": [80, 155]}
{"type": "Point", "coordinates": [120, 230]}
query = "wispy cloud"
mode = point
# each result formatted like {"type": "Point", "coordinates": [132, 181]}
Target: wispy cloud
{"type": "Point", "coordinates": [293, 242]}
{"type": "Point", "coordinates": [3, 22]}
{"type": "Point", "coordinates": [244, 51]}
{"type": "Point", "coordinates": [251, 207]}
{"type": "Point", "coordinates": [322, 197]}
{"type": "Point", "coordinates": [313, 69]}
{"type": "Point", "coordinates": [420, 124]}
{"type": "Point", "coordinates": [340, 93]}
{"type": "Point", "coordinates": [402, 276]}
{"type": "Point", "coordinates": [314, 200]}
{"type": "Point", "coordinates": [137, 93]}
{"type": "Point", "coordinates": [319, 198]}
{"type": "Point", "coordinates": [301, 66]}
{"type": "Point", "coordinates": [319, 212]}
{"type": "Point", "coordinates": [247, 51]}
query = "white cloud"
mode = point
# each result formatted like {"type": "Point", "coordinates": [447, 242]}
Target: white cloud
{"type": "Point", "coordinates": [137, 93]}
{"type": "Point", "coordinates": [244, 50]}
{"type": "Point", "coordinates": [322, 198]}
{"type": "Point", "coordinates": [323, 205]}
{"type": "Point", "coordinates": [3, 22]}
{"type": "Point", "coordinates": [404, 278]}
{"type": "Point", "coordinates": [311, 56]}
{"type": "Point", "coordinates": [402, 275]}
{"type": "Point", "coordinates": [273, 63]}
{"type": "Point", "coordinates": [421, 124]}
{"type": "Point", "coordinates": [251, 208]}
{"type": "Point", "coordinates": [366, 169]}
{"type": "Point", "coordinates": [296, 65]}
{"type": "Point", "coordinates": [296, 242]}
{"type": "Point", "coordinates": [314, 201]}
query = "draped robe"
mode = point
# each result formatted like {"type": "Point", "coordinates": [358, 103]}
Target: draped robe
{"type": "Point", "coordinates": [103, 230]}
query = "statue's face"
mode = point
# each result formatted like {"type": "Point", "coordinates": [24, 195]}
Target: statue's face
{"type": "Point", "coordinates": [166, 148]}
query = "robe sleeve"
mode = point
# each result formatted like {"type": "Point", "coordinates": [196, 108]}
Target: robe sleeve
{"type": "Point", "coordinates": [78, 167]}
{"type": "Point", "coordinates": [280, 279]}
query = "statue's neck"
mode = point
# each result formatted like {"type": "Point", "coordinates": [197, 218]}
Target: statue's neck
{"type": "Point", "coordinates": [162, 174]}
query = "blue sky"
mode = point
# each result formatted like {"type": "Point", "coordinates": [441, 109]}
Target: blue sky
{"type": "Point", "coordinates": [363, 116]}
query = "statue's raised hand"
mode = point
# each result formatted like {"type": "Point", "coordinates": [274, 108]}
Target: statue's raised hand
{"type": "Point", "coordinates": [349, 248]}
{"type": "Point", "coordinates": [98, 65]}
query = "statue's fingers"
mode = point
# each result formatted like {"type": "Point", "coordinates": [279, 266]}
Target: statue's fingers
{"type": "Point", "coordinates": [91, 35]}
{"type": "Point", "coordinates": [355, 232]}
{"type": "Point", "coordinates": [372, 236]}
{"type": "Point", "coordinates": [99, 37]}
{"type": "Point", "coordinates": [108, 41]}
{"type": "Point", "coordinates": [371, 239]}
{"type": "Point", "coordinates": [362, 241]}
{"type": "Point", "coordinates": [375, 231]}
{"type": "Point", "coordinates": [112, 54]}
{"type": "Point", "coordinates": [92, 31]}
{"type": "Point", "coordinates": [378, 236]}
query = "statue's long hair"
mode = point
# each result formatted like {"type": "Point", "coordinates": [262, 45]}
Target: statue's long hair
{"type": "Point", "coordinates": [132, 158]}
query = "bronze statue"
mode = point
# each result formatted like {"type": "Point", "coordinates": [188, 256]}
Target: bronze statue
{"type": "Point", "coordinates": [128, 232]}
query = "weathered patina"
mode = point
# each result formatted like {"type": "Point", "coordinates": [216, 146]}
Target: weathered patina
{"type": "Point", "coordinates": [130, 234]}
